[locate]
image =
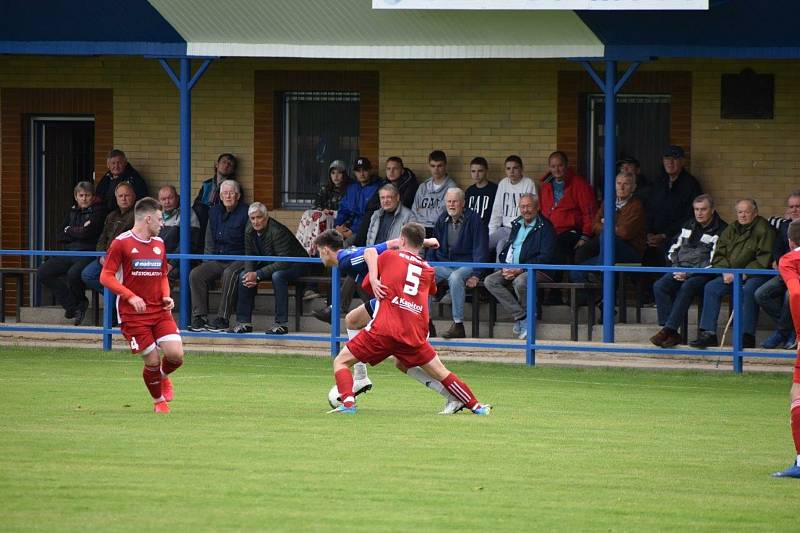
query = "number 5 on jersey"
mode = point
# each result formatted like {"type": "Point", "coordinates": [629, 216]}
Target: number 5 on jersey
{"type": "Point", "coordinates": [412, 280]}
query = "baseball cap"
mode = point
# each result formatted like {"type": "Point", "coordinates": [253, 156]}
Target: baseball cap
{"type": "Point", "coordinates": [362, 163]}
{"type": "Point", "coordinates": [673, 151]}
{"type": "Point", "coordinates": [338, 164]}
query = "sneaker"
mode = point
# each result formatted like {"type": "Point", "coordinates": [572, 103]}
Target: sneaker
{"type": "Point", "coordinates": [792, 471]}
{"type": "Point", "coordinates": [218, 325]}
{"type": "Point", "coordinates": [456, 331]}
{"type": "Point", "coordinates": [323, 314]}
{"type": "Point", "coordinates": [705, 339]}
{"type": "Point", "coordinates": [199, 323]}
{"type": "Point", "coordinates": [777, 338]}
{"type": "Point", "coordinates": [241, 328]}
{"type": "Point", "coordinates": [518, 326]}
{"type": "Point", "coordinates": [310, 294]}
{"type": "Point", "coordinates": [166, 389]}
{"type": "Point", "coordinates": [161, 407]}
{"type": "Point", "coordinates": [451, 407]}
{"type": "Point", "coordinates": [277, 329]}
{"type": "Point", "coordinates": [362, 386]}
{"type": "Point", "coordinates": [791, 342]}
{"type": "Point", "coordinates": [523, 334]}
{"type": "Point", "coordinates": [342, 410]}
{"type": "Point", "coordinates": [482, 409]}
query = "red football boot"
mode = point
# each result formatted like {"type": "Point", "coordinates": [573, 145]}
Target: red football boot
{"type": "Point", "coordinates": [161, 407]}
{"type": "Point", "coordinates": [166, 389]}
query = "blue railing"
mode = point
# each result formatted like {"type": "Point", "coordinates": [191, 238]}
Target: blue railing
{"type": "Point", "coordinates": [736, 352]}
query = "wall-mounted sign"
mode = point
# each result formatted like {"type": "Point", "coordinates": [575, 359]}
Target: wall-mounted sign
{"type": "Point", "coordinates": [498, 5]}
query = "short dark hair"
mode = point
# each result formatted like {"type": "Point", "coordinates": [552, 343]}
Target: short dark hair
{"type": "Point", "coordinates": [414, 233]}
{"type": "Point", "coordinates": [437, 155]}
{"type": "Point", "coordinates": [560, 154]}
{"type": "Point", "coordinates": [146, 206]}
{"type": "Point", "coordinates": [479, 161]}
{"type": "Point", "coordinates": [395, 159]}
{"type": "Point", "coordinates": [116, 153]}
{"type": "Point", "coordinates": [704, 198]}
{"type": "Point", "coordinates": [331, 239]}
{"type": "Point", "coordinates": [515, 159]}
{"type": "Point", "coordinates": [794, 231]}
{"type": "Point", "coordinates": [125, 184]}
{"type": "Point", "coordinates": [86, 186]}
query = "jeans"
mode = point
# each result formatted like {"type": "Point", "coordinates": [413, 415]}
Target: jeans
{"type": "Point", "coordinates": [623, 253]}
{"type": "Point", "coordinates": [91, 276]}
{"type": "Point", "coordinates": [498, 239]}
{"type": "Point", "coordinates": [501, 288]}
{"type": "Point", "coordinates": [774, 300]}
{"type": "Point", "coordinates": [673, 297]}
{"type": "Point", "coordinates": [280, 283]}
{"type": "Point", "coordinates": [69, 292]}
{"type": "Point", "coordinates": [456, 279]}
{"type": "Point", "coordinates": [712, 302]}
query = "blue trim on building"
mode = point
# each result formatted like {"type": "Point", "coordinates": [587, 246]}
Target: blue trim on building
{"type": "Point", "coordinates": [92, 48]}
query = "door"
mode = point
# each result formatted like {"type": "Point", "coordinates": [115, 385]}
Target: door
{"type": "Point", "coordinates": [643, 124]}
{"type": "Point", "coordinates": [62, 154]}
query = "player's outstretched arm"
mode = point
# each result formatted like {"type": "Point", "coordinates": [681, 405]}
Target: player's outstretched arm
{"type": "Point", "coordinates": [391, 244]}
{"type": "Point", "coordinates": [432, 242]}
{"type": "Point", "coordinates": [371, 259]}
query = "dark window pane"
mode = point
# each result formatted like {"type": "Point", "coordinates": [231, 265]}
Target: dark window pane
{"type": "Point", "coordinates": [319, 127]}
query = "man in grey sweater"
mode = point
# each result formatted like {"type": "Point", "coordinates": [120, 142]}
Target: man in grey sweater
{"type": "Point", "coordinates": [429, 200]}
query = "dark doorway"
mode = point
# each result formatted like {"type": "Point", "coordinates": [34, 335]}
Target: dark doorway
{"type": "Point", "coordinates": [643, 126]}
{"type": "Point", "coordinates": [61, 154]}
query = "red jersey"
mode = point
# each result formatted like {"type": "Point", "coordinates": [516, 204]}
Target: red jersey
{"type": "Point", "coordinates": [403, 314]}
{"type": "Point", "coordinates": [789, 267]}
{"type": "Point", "coordinates": [141, 267]}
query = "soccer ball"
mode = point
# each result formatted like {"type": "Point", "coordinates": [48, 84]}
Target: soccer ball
{"type": "Point", "coordinates": [333, 397]}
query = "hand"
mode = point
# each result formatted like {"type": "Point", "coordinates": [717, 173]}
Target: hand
{"type": "Point", "coordinates": [580, 243]}
{"type": "Point", "coordinates": [654, 239]}
{"type": "Point", "coordinates": [511, 273]}
{"type": "Point", "coordinates": [432, 243]}
{"type": "Point", "coordinates": [344, 230]}
{"type": "Point", "coordinates": [727, 277]}
{"type": "Point", "coordinates": [679, 276]}
{"type": "Point", "coordinates": [102, 260]}
{"type": "Point", "coordinates": [138, 304]}
{"type": "Point", "coordinates": [169, 303]}
{"type": "Point", "coordinates": [472, 282]}
{"type": "Point", "coordinates": [378, 288]}
{"type": "Point", "coordinates": [250, 279]}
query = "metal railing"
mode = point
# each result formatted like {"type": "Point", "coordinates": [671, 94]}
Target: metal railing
{"type": "Point", "coordinates": [530, 345]}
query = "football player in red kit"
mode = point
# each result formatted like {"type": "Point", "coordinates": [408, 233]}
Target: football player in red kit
{"type": "Point", "coordinates": [789, 267]}
{"type": "Point", "coordinates": [402, 282]}
{"type": "Point", "coordinates": [136, 270]}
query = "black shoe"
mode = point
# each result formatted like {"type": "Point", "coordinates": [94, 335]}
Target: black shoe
{"type": "Point", "coordinates": [705, 339]}
{"type": "Point", "coordinates": [323, 314]}
{"type": "Point", "coordinates": [199, 323]}
{"type": "Point", "coordinates": [80, 314]}
{"type": "Point", "coordinates": [748, 341]}
{"type": "Point", "coordinates": [277, 329]}
{"type": "Point", "coordinates": [218, 325]}
{"type": "Point", "coordinates": [241, 328]}
{"type": "Point", "coordinates": [431, 329]}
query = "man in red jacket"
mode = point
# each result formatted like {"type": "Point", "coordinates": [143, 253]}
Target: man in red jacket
{"type": "Point", "coordinates": [569, 203]}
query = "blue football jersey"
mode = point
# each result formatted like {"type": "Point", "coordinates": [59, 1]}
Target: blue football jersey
{"type": "Point", "coordinates": [351, 260]}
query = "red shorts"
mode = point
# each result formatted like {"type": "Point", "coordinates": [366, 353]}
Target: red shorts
{"type": "Point", "coordinates": [370, 348]}
{"type": "Point", "coordinates": [144, 335]}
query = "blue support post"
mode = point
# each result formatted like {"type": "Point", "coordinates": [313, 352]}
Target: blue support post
{"type": "Point", "coordinates": [335, 330]}
{"type": "Point", "coordinates": [108, 309]}
{"type": "Point", "coordinates": [737, 323]}
{"type": "Point", "coordinates": [609, 155]}
{"type": "Point", "coordinates": [530, 353]}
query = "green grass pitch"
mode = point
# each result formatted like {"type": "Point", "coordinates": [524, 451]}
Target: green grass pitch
{"type": "Point", "coordinates": [248, 446]}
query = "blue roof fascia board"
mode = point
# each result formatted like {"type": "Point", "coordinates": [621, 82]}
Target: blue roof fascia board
{"type": "Point", "coordinates": [626, 52]}
{"type": "Point", "coordinates": [92, 48]}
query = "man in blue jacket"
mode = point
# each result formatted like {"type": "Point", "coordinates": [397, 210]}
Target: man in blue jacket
{"type": "Point", "coordinates": [351, 211]}
{"type": "Point", "coordinates": [224, 236]}
{"type": "Point", "coordinates": [463, 237]}
{"type": "Point", "coordinates": [532, 240]}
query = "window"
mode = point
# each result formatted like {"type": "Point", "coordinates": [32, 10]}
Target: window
{"type": "Point", "coordinates": [318, 127]}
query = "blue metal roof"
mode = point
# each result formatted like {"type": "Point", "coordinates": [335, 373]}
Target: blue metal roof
{"type": "Point", "coordinates": [746, 29]}
{"type": "Point", "coordinates": [86, 27]}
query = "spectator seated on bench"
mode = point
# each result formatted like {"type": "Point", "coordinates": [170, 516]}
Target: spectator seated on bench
{"type": "Point", "coordinates": [79, 231]}
{"type": "Point", "coordinates": [532, 240]}
{"type": "Point", "coordinates": [266, 236]}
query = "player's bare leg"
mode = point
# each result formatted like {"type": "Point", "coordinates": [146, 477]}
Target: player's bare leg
{"type": "Point", "coordinates": [452, 405]}
{"type": "Point", "coordinates": [355, 321]}
{"type": "Point", "coordinates": [794, 411]}
{"type": "Point", "coordinates": [344, 381]}
{"type": "Point", "coordinates": [152, 378]}
{"type": "Point", "coordinates": [172, 359]}
{"type": "Point", "coordinates": [436, 369]}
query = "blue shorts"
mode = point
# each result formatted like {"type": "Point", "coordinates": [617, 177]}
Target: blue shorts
{"type": "Point", "coordinates": [369, 305]}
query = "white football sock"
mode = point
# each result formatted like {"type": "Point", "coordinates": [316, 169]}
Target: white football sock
{"type": "Point", "coordinates": [797, 462]}
{"type": "Point", "coordinates": [359, 371]}
{"type": "Point", "coordinates": [352, 333]}
{"type": "Point", "coordinates": [420, 375]}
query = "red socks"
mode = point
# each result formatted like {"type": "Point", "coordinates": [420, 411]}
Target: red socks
{"type": "Point", "coordinates": [344, 383]}
{"type": "Point", "coordinates": [152, 380]}
{"type": "Point", "coordinates": [795, 414]}
{"type": "Point", "coordinates": [460, 390]}
{"type": "Point", "coordinates": [168, 367]}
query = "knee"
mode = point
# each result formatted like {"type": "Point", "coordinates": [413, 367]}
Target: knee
{"type": "Point", "coordinates": [350, 319]}
{"type": "Point", "coordinates": [455, 280]}
{"type": "Point", "coordinates": [174, 354]}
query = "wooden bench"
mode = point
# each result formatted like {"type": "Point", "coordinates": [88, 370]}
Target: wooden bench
{"type": "Point", "coordinates": [18, 273]}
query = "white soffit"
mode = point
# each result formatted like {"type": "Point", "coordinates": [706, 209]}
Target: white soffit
{"type": "Point", "coordinates": [351, 29]}
{"type": "Point", "coordinates": [605, 5]}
